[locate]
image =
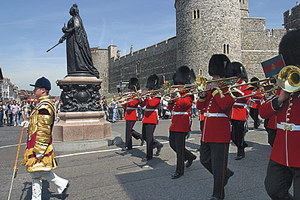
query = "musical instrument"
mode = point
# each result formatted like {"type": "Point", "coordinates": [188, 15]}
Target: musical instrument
{"type": "Point", "coordinates": [123, 98]}
{"type": "Point", "coordinates": [288, 79]}
{"type": "Point", "coordinates": [200, 85]}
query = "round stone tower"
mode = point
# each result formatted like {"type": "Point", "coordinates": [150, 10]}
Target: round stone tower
{"type": "Point", "coordinates": [204, 28]}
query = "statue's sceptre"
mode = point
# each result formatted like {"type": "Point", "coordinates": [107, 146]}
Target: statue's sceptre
{"type": "Point", "coordinates": [60, 41]}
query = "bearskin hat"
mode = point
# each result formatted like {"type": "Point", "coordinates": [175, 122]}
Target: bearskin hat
{"type": "Point", "coordinates": [153, 82]}
{"type": "Point", "coordinates": [134, 84]}
{"type": "Point", "coordinates": [253, 79]}
{"type": "Point", "coordinates": [289, 47]}
{"type": "Point", "coordinates": [219, 64]}
{"type": "Point", "coordinates": [239, 70]}
{"type": "Point", "coordinates": [184, 75]}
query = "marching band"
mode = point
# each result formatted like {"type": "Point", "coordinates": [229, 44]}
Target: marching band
{"type": "Point", "coordinates": [228, 104]}
{"type": "Point", "coordinates": [222, 104]}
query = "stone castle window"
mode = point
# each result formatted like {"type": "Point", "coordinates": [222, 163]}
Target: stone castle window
{"type": "Point", "coordinates": [196, 14]}
{"type": "Point", "coordinates": [138, 69]}
{"type": "Point", "coordinates": [226, 49]}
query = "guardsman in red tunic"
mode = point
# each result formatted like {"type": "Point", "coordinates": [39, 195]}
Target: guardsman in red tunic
{"type": "Point", "coordinates": [150, 119]}
{"type": "Point", "coordinates": [38, 156]}
{"type": "Point", "coordinates": [130, 115]}
{"type": "Point", "coordinates": [284, 163]}
{"type": "Point", "coordinates": [216, 135]}
{"type": "Point", "coordinates": [239, 112]}
{"type": "Point", "coordinates": [270, 124]}
{"type": "Point", "coordinates": [181, 121]}
{"type": "Point", "coordinates": [255, 103]}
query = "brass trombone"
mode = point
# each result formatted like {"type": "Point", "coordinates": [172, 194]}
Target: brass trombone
{"type": "Point", "coordinates": [200, 85]}
{"type": "Point", "coordinates": [288, 79]}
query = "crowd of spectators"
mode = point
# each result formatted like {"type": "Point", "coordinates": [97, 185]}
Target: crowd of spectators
{"type": "Point", "coordinates": [13, 113]}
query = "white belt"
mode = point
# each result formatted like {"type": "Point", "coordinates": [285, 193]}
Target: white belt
{"type": "Point", "coordinates": [215, 115]}
{"type": "Point", "coordinates": [130, 108]}
{"type": "Point", "coordinates": [256, 99]}
{"type": "Point", "coordinates": [239, 104]}
{"type": "Point", "coordinates": [148, 109]}
{"type": "Point", "coordinates": [288, 127]}
{"type": "Point", "coordinates": [180, 113]}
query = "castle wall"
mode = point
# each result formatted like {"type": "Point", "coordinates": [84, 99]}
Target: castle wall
{"type": "Point", "coordinates": [159, 59]}
{"type": "Point", "coordinates": [292, 18]}
{"type": "Point", "coordinates": [215, 30]}
{"type": "Point", "coordinates": [258, 44]}
{"type": "Point", "coordinates": [100, 61]}
{"type": "Point", "coordinates": [244, 6]}
{"type": "Point", "coordinates": [199, 35]}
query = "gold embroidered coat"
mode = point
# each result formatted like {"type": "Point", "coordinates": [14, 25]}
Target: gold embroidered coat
{"type": "Point", "coordinates": [39, 138]}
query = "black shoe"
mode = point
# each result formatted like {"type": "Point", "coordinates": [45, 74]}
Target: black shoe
{"type": "Point", "coordinates": [240, 157]}
{"type": "Point", "coordinates": [146, 159]}
{"type": "Point", "coordinates": [142, 141]}
{"type": "Point", "coordinates": [176, 175]}
{"type": "Point", "coordinates": [214, 198]}
{"type": "Point", "coordinates": [240, 154]}
{"type": "Point", "coordinates": [190, 162]}
{"type": "Point", "coordinates": [227, 176]}
{"type": "Point", "coordinates": [64, 194]}
{"type": "Point", "coordinates": [159, 149]}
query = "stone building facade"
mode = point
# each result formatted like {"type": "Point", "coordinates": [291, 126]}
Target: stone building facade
{"type": "Point", "coordinates": [203, 28]}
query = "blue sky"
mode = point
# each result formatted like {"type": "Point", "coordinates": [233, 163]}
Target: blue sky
{"type": "Point", "coordinates": [29, 28]}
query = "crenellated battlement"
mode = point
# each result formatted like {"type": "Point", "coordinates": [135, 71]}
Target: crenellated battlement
{"type": "Point", "coordinates": [146, 52]}
{"type": "Point", "coordinates": [292, 18]}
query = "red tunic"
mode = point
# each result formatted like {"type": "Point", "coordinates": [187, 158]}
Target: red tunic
{"type": "Point", "coordinates": [256, 100]}
{"type": "Point", "coordinates": [181, 120]}
{"type": "Point", "coordinates": [239, 111]}
{"type": "Point", "coordinates": [216, 128]}
{"type": "Point", "coordinates": [272, 123]}
{"type": "Point", "coordinates": [286, 148]}
{"type": "Point", "coordinates": [131, 106]}
{"type": "Point", "coordinates": [151, 111]}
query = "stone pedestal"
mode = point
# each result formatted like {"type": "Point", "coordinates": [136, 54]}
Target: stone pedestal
{"type": "Point", "coordinates": [81, 121]}
{"type": "Point", "coordinates": [81, 126]}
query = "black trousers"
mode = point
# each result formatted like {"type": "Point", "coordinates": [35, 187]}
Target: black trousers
{"type": "Point", "coordinates": [238, 133]}
{"type": "Point", "coordinates": [254, 116]}
{"type": "Point", "coordinates": [279, 180]}
{"type": "Point", "coordinates": [130, 132]}
{"type": "Point", "coordinates": [177, 143]}
{"type": "Point", "coordinates": [147, 132]}
{"type": "Point", "coordinates": [214, 157]}
{"type": "Point", "coordinates": [271, 136]}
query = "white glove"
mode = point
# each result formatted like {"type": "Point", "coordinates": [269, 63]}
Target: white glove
{"type": "Point", "coordinates": [38, 156]}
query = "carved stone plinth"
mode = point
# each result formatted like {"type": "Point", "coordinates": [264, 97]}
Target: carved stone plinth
{"type": "Point", "coordinates": [81, 121]}
{"type": "Point", "coordinates": [80, 93]}
{"type": "Point", "coordinates": [81, 126]}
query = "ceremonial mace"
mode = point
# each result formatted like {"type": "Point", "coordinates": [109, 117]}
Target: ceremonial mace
{"type": "Point", "coordinates": [14, 175]}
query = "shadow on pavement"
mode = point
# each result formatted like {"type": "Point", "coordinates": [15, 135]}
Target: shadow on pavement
{"type": "Point", "coordinates": [197, 183]}
{"type": "Point", "coordinates": [46, 194]}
